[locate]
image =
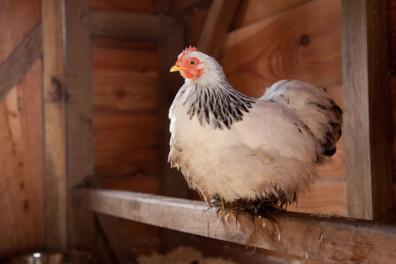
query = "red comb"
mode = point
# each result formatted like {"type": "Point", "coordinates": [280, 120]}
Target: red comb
{"type": "Point", "coordinates": [189, 49]}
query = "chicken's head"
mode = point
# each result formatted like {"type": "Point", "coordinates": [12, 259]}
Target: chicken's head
{"type": "Point", "coordinates": [189, 66]}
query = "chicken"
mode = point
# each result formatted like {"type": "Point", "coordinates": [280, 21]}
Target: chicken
{"type": "Point", "coordinates": [238, 151]}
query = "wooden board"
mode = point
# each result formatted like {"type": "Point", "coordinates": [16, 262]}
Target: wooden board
{"type": "Point", "coordinates": [142, 6]}
{"type": "Point", "coordinates": [54, 123]}
{"type": "Point", "coordinates": [20, 60]}
{"type": "Point", "coordinates": [252, 11]}
{"type": "Point", "coordinates": [392, 70]}
{"type": "Point", "coordinates": [21, 168]}
{"type": "Point", "coordinates": [125, 25]}
{"type": "Point", "coordinates": [392, 34]}
{"type": "Point", "coordinates": [142, 238]}
{"type": "Point", "coordinates": [325, 196]}
{"type": "Point", "coordinates": [366, 92]}
{"type": "Point", "coordinates": [79, 137]}
{"type": "Point", "coordinates": [125, 90]}
{"type": "Point", "coordinates": [323, 238]}
{"type": "Point", "coordinates": [269, 49]}
{"type": "Point", "coordinates": [125, 105]}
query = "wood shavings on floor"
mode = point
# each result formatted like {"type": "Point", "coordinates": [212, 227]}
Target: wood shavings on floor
{"type": "Point", "coordinates": [182, 255]}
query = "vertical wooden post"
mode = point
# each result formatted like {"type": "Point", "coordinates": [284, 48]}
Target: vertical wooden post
{"type": "Point", "coordinates": [79, 136]}
{"type": "Point", "coordinates": [367, 108]}
{"type": "Point", "coordinates": [173, 184]}
{"type": "Point", "coordinates": [54, 96]}
{"type": "Point", "coordinates": [67, 121]}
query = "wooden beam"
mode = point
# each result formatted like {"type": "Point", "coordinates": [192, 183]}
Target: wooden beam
{"type": "Point", "coordinates": [172, 182]}
{"type": "Point", "coordinates": [118, 237]}
{"type": "Point", "coordinates": [327, 238]}
{"type": "Point", "coordinates": [182, 7]}
{"type": "Point", "coordinates": [125, 25]}
{"type": "Point", "coordinates": [79, 135]}
{"type": "Point", "coordinates": [368, 136]}
{"type": "Point", "coordinates": [20, 60]}
{"type": "Point", "coordinates": [54, 96]}
{"type": "Point", "coordinates": [217, 24]}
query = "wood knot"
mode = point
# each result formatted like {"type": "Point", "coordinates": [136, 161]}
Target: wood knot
{"type": "Point", "coordinates": [56, 93]}
{"type": "Point", "coordinates": [120, 93]}
{"type": "Point", "coordinates": [304, 40]}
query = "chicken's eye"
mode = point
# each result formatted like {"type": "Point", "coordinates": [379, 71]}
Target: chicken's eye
{"type": "Point", "coordinates": [192, 62]}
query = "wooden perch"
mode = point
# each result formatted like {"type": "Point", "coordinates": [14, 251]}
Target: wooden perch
{"type": "Point", "coordinates": [329, 239]}
{"type": "Point", "coordinates": [216, 26]}
{"type": "Point", "coordinates": [125, 25]}
{"type": "Point", "coordinates": [20, 60]}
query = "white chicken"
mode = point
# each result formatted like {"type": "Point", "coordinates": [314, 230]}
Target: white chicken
{"type": "Point", "coordinates": [236, 150]}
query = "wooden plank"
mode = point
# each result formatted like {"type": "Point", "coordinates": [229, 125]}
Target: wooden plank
{"type": "Point", "coordinates": [255, 10]}
{"type": "Point", "coordinates": [79, 135]}
{"type": "Point", "coordinates": [125, 80]}
{"type": "Point", "coordinates": [125, 25]}
{"type": "Point", "coordinates": [21, 152]}
{"type": "Point", "coordinates": [367, 109]}
{"type": "Point", "coordinates": [392, 34]}
{"type": "Point", "coordinates": [172, 182]}
{"type": "Point", "coordinates": [320, 238]}
{"type": "Point", "coordinates": [21, 167]}
{"type": "Point", "coordinates": [141, 6]}
{"type": "Point", "coordinates": [325, 196]}
{"type": "Point", "coordinates": [216, 26]}
{"type": "Point", "coordinates": [118, 238]}
{"type": "Point", "coordinates": [20, 60]}
{"type": "Point", "coordinates": [183, 8]}
{"type": "Point", "coordinates": [252, 63]}
{"type": "Point", "coordinates": [54, 94]}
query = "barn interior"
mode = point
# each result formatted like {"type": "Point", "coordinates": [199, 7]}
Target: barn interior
{"type": "Point", "coordinates": [85, 90]}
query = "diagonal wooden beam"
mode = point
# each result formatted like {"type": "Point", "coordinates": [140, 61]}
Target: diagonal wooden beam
{"type": "Point", "coordinates": [368, 135]}
{"type": "Point", "coordinates": [331, 239]}
{"type": "Point", "coordinates": [217, 24]}
{"type": "Point", "coordinates": [20, 60]}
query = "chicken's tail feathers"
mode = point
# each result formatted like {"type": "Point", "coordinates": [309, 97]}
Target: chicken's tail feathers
{"type": "Point", "coordinates": [320, 114]}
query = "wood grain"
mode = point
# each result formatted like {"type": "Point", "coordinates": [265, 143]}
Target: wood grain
{"type": "Point", "coordinates": [252, 11]}
{"type": "Point", "coordinates": [269, 49]}
{"type": "Point", "coordinates": [54, 94]}
{"type": "Point", "coordinates": [142, 6]}
{"type": "Point", "coordinates": [125, 105]}
{"type": "Point", "coordinates": [20, 60]}
{"type": "Point", "coordinates": [141, 238]}
{"type": "Point", "coordinates": [125, 25]}
{"type": "Point", "coordinates": [118, 90]}
{"type": "Point", "coordinates": [366, 89]}
{"type": "Point", "coordinates": [21, 167]}
{"type": "Point", "coordinates": [216, 26]}
{"type": "Point", "coordinates": [79, 137]}
{"type": "Point", "coordinates": [325, 196]}
{"type": "Point", "coordinates": [172, 183]}
{"type": "Point", "coordinates": [184, 8]}
{"type": "Point", "coordinates": [392, 34]}
{"type": "Point", "coordinates": [330, 239]}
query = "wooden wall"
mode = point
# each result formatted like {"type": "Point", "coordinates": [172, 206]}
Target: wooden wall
{"type": "Point", "coordinates": [125, 116]}
{"type": "Point", "coordinates": [21, 168]}
{"type": "Point", "coordinates": [392, 74]}
{"type": "Point", "coordinates": [275, 40]}
{"type": "Point", "coordinates": [269, 40]}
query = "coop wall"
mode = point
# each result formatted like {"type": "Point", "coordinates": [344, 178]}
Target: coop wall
{"type": "Point", "coordinates": [269, 40]}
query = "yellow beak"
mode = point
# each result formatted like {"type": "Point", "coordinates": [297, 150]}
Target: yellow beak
{"type": "Point", "coordinates": [177, 68]}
